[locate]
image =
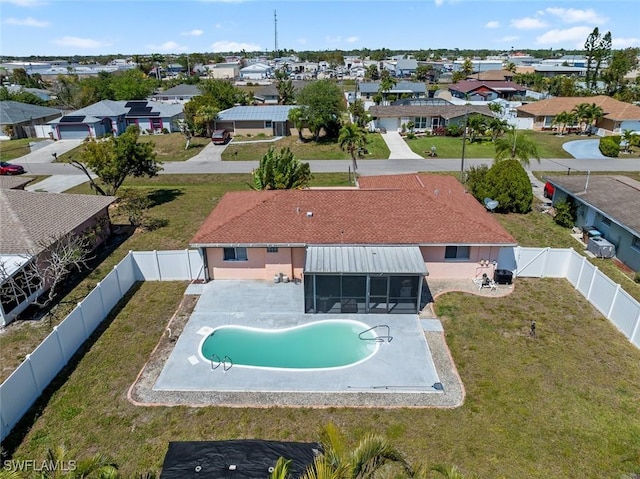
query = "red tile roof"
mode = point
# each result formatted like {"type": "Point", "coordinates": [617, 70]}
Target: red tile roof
{"type": "Point", "coordinates": [613, 109]}
{"type": "Point", "coordinates": [398, 209]}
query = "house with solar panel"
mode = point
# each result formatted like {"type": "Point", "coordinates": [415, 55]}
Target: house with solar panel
{"type": "Point", "coordinates": [113, 117]}
{"type": "Point", "coordinates": [270, 120]}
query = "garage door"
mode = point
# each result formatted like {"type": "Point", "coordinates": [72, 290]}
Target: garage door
{"type": "Point", "coordinates": [225, 125]}
{"type": "Point", "coordinates": [389, 124]}
{"type": "Point", "coordinates": [73, 132]}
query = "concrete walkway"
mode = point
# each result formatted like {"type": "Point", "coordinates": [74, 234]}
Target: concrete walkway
{"type": "Point", "coordinates": [398, 147]}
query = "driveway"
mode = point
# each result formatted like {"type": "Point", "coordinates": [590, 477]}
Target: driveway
{"type": "Point", "coordinates": [46, 153]}
{"type": "Point", "coordinates": [398, 147]}
{"type": "Point", "coordinates": [584, 149]}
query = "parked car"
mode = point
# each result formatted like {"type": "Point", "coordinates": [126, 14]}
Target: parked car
{"type": "Point", "coordinates": [10, 169]}
{"type": "Point", "coordinates": [548, 190]}
{"type": "Point", "coordinates": [220, 137]}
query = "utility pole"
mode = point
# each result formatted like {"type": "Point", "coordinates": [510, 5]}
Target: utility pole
{"type": "Point", "coordinates": [464, 143]}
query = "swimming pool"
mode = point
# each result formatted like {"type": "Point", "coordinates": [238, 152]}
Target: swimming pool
{"type": "Point", "coordinates": [319, 345]}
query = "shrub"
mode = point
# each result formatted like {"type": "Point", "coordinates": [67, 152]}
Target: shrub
{"type": "Point", "coordinates": [454, 130]}
{"type": "Point", "coordinates": [411, 136]}
{"type": "Point", "coordinates": [636, 278]}
{"type": "Point", "coordinates": [508, 183]}
{"type": "Point", "coordinates": [134, 204]}
{"type": "Point", "coordinates": [610, 146]}
{"type": "Point", "coordinates": [476, 181]}
{"type": "Point", "coordinates": [565, 213]}
{"type": "Point", "coordinates": [165, 131]}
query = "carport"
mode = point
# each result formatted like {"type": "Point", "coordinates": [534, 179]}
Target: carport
{"type": "Point", "coordinates": [363, 279]}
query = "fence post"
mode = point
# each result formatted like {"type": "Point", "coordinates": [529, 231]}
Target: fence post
{"type": "Point", "coordinates": [155, 254]}
{"type": "Point", "coordinates": [580, 272]}
{"type": "Point", "coordinates": [545, 262]}
{"type": "Point", "coordinates": [64, 356]}
{"type": "Point", "coordinates": [104, 308]}
{"type": "Point", "coordinates": [613, 301]}
{"type": "Point", "coordinates": [84, 323]}
{"type": "Point", "coordinates": [33, 373]}
{"type": "Point", "coordinates": [115, 269]}
{"type": "Point", "coordinates": [593, 278]}
{"type": "Point", "coordinates": [189, 265]}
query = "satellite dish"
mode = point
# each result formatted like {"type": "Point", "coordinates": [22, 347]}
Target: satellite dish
{"type": "Point", "coordinates": [490, 204]}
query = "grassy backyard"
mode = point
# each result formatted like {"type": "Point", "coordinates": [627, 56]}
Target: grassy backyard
{"type": "Point", "coordinates": [307, 150]}
{"type": "Point", "coordinates": [563, 404]}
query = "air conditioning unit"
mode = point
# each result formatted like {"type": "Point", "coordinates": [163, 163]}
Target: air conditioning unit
{"type": "Point", "coordinates": [601, 247]}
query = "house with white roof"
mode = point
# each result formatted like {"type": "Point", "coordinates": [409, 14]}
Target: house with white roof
{"type": "Point", "coordinates": [270, 120]}
{"type": "Point", "coordinates": [256, 71]}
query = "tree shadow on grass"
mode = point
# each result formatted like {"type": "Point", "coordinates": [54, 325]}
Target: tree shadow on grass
{"type": "Point", "coordinates": [24, 425]}
{"type": "Point", "coordinates": [164, 195]}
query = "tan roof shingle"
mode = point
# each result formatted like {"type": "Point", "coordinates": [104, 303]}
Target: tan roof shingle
{"type": "Point", "coordinates": [613, 109]}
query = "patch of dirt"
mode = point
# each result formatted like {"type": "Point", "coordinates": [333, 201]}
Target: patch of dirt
{"type": "Point", "coordinates": [152, 369]}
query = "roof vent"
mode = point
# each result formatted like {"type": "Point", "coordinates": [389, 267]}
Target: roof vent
{"type": "Point", "coordinates": [309, 214]}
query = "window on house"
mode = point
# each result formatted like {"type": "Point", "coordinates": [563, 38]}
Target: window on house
{"type": "Point", "coordinates": [267, 124]}
{"type": "Point", "coordinates": [606, 221]}
{"type": "Point", "coordinates": [421, 122]}
{"type": "Point", "coordinates": [235, 254]}
{"type": "Point", "coordinates": [456, 252]}
{"type": "Point", "coordinates": [272, 249]}
{"type": "Point", "coordinates": [635, 243]}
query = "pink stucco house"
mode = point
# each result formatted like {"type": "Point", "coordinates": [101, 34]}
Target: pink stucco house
{"type": "Point", "coordinates": [369, 246]}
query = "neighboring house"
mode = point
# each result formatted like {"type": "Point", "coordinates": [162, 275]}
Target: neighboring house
{"type": "Point", "coordinates": [223, 71]}
{"type": "Point", "coordinates": [19, 120]}
{"type": "Point", "coordinates": [407, 89]}
{"type": "Point", "coordinates": [486, 90]}
{"type": "Point", "coordinates": [268, 94]}
{"type": "Point", "coordinates": [402, 67]}
{"type": "Point", "coordinates": [256, 71]}
{"type": "Point", "coordinates": [611, 204]}
{"type": "Point", "coordinates": [493, 75]}
{"type": "Point", "coordinates": [618, 115]}
{"type": "Point", "coordinates": [433, 114]}
{"type": "Point", "coordinates": [113, 117]}
{"type": "Point", "coordinates": [550, 71]}
{"type": "Point", "coordinates": [270, 120]}
{"type": "Point", "coordinates": [178, 94]}
{"type": "Point", "coordinates": [29, 224]}
{"type": "Point", "coordinates": [357, 250]}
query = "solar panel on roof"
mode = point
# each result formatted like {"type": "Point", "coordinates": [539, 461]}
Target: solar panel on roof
{"type": "Point", "coordinates": [134, 104]}
{"type": "Point", "coordinates": [72, 119]}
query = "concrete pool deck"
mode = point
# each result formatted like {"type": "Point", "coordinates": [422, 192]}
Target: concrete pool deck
{"type": "Point", "coordinates": [406, 372]}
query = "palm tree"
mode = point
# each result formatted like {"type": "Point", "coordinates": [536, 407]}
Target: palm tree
{"type": "Point", "coordinates": [364, 461]}
{"type": "Point", "coordinates": [206, 115]}
{"type": "Point", "coordinates": [281, 469]}
{"type": "Point", "coordinates": [564, 118]}
{"type": "Point", "coordinates": [451, 472]}
{"type": "Point", "coordinates": [588, 114]}
{"type": "Point", "coordinates": [497, 127]}
{"type": "Point", "coordinates": [516, 147]}
{"type": "Point", "coordinates": [296, 116]}
{"type": "Point", "coordinates": [97, 466]}
{"type": "Point", "coordinates": [387, 82]}
{"type": "Point", "coordinates": [628, 136]}
{"type": "Point", "coordinates": [281, 171]}
{"type": "Point", "coordinates": [351, 139]}
{"type": "Point", "coordinates": [476, 124]}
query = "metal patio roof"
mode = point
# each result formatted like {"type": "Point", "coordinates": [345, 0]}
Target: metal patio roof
{"type": "Point", "coordinates": [364, 260]}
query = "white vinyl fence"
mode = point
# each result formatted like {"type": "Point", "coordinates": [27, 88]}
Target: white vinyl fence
{"type": "Point", "coordinates": [605, 295]}
{"type": "Point", "coordinates": [20, 390]}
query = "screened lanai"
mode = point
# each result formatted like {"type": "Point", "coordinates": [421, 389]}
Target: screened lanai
{"type": "Point", "coordinates": [363, 279]}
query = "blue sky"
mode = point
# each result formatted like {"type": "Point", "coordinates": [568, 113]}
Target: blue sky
{"type": "Point", "coordinates": [96, 27]}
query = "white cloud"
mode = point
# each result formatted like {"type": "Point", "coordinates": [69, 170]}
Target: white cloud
{"type": "Point", "coordinates": [438, 2]}
{"type": "Point", "coordinates": [492, 24]}
{"type": "Point", "coordinates": [227, 46]}
{"type": "Point", "coordinates": [351, 39]}
{"type": "Point", "coordinates": [573, 15]}
{"type": "Point", "coordinates": [27, 22]}
{"type": "Point", "coordinates": [169, 47]}
{"type": "Point", "coordinates": [302, 41]}
{"type": "Point", "coordinates": [78, 42]}
{"type": "Point", "coordinates": [339, 39]}
{"type": "Point", "coordinates": [625, 43]}
{"type": "Point", "coordinates": [193, 33]}
{"type": "Point", "coordinates": [528, 23]}
{"type": "Point", "coordinates": [218, 26]}
{"type": "Point", "coordinates": [574, 36]}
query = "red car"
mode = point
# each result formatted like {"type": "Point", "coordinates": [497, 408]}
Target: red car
{"type": "Point", "coordinates": [548, 190]}
{"type": "Point", "coordinates": [10, 169]}
{"type": "Point", "coordinates": [220, 137]}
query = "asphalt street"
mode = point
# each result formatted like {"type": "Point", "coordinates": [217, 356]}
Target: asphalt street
{"type": "Point", "coordinates": [64, 176]}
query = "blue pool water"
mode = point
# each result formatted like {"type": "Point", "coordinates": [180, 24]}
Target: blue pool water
{"type": "Point", "coordinates": [318, 345]}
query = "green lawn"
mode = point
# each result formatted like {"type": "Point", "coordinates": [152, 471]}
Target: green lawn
{"type": "Point", "coordinates": [549, 146]}
{"type": "Point", "coordinates": [307, 150]}
{"type": "Point", "coordinates": [12, 149]}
